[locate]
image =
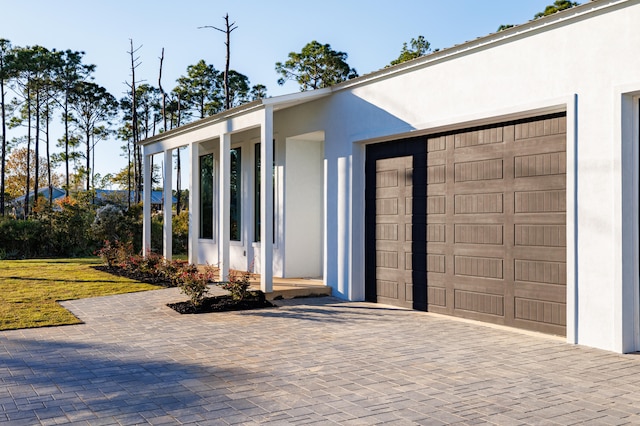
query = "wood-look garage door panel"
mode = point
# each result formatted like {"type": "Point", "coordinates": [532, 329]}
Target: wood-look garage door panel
{"type": "Point", "coordinates": [504, 221]}
{"type": "Point", "coordinates": [492, 230]}
{"type": "Point", "coordinates": [393, 230]}
{"type": "Point", "coordinates": [541, 254]}
{"type": "Point", "coordinates": [539, 291]}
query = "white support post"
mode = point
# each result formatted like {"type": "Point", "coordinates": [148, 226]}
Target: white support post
{"type": "Point", "coordinates": [167, 230]}
{"type": "Point", "coordinates": [194, 203]}
{"type": "Point", "coordinates": [266, 201]}
{"type": "Point", "coordinates": [224, 231]}
{"type": "Point", "coordinates": [146, 205]}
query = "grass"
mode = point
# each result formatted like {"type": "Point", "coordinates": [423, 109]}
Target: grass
{"type": "Point", "coordinates": [30, 289]}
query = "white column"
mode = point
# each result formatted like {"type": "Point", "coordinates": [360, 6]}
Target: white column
{"type": "Point", "coordinates": [224, 230]}
{"type": "Point", "coordinates": [146, 205]}
{"type": "Point", "coordinates": [168, 197]}
{"type": "Point", "coordinates": [194, 202]}
{"type": "Point", "coordinates": [266, 201]}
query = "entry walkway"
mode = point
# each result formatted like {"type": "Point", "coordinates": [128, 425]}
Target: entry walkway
{"type": "Point", "coordinates": [288, 288]}
{"type": "Point", "coordinates": [309, 361]}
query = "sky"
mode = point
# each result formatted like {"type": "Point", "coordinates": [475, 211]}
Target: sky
{"type": "Point", "coordinates": [371, 32]}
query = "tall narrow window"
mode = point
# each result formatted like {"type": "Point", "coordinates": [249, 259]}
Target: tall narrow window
{"type": "Point", "coordinates": [206, 196]}
{"type": "Point", "coordinates": [235, 194]}
{"type": "Point", "coordinates": [256, 192]}
{"type": "Point", "coordinates": [256, 200]}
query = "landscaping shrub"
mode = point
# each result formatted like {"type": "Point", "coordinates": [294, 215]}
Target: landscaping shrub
{"type": "Point", "coordinates": [180, 225]}
{"type": "Point", "coordinates": [157, 233]}
{"type": "Point", "coordinates": [74, 227]}
{"type": "Point", "coordinates": [188, 277]}
{"type": "Point", "coordinates": [194, 285]}
{"type": "Point", "coordinates": [21, 238]}
{"type": "Point", "coordinates": [180, 231]}
{"type": "Point", "coordinates": [109, 223]}
{"type": "Point", "coordinates": [238, 284]}
{"type": "Point", "coordinates": [71, 228]}
{"type": "Point", "coordinates": [133, 224]}
{"type": "Point", "coordinates": [116, 253]}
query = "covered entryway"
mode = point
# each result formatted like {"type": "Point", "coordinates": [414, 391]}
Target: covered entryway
{"type": "Point", "coordinates": [495, 237]}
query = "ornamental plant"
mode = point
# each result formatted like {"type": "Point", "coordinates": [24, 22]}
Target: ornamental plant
{"type": "Point", "coordinates": [116, 253]}
{"type": "Point", "coordinates": [191, 281]}
{"type": "Point", "coordinates": [238, 284]}
{"type": "Point", "coordinates": [194, 283]}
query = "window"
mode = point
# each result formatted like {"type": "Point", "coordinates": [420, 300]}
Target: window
{"type": "Point", "coordinates": [256, 192]}
{"type": "Point", "coordinates": [256, 200]}
{"type": "Point", "coordinates": [206, 196]}
{"type": "Point", "coordinates": [235, 194]}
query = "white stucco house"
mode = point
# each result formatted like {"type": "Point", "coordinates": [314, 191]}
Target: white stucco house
{"type": "Point", "coordinates": [496, 180]}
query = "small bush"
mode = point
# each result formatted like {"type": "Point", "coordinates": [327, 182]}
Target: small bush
{"type": "Point", "coordinates": [194, 285]}
{"type": "Point", "coordinates": [238, 284]}
{"type": "Point", "coordinates": [70, 228]}
{"type": "Point", "coordinates": [180, 227]}
{"type": "Point", "coordinates": [172, 270]}
{"type": "Point", "coordinates": [108, 223]}
{"type": "Point", "coordinates": [23, 238]}
{"type": "Point", "coordinates": [191, 281]}
{"type": "Point", "coordinates": [180, 231]}
{"type": "Point", "coordinates": [117, 253]}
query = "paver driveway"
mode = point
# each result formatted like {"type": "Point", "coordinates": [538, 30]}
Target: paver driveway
{"type": "Point", "coordinates": [322, 361]}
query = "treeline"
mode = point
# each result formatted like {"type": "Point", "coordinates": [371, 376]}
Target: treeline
{"type": "Point", "coordinates": [40, 87]}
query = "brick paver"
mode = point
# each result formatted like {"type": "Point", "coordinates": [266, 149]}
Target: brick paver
{"type": "Point", "coordinates": [310, 361]}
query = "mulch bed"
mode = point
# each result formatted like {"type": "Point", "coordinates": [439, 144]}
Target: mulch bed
{"type": "Point", "coordinates": [210, 304]}
{"type": "Point", "coordinates": [222, 304]}
{"type": "Point", "coordinates": [134, 275]}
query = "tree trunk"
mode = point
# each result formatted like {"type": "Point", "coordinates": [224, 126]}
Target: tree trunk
{"type": "Point", "coordinates": [26, 195]}
{"type": "Point", "coordinates": [164, 95]}
{"type": "Point", "coordinates": [66, 142]}
{"type": "Point", "coordinates": [88, 178]}
{"type": "Point", "coordinates": [228, 29]}
{"type": "Point", "coordinates": [129, 173]}
{"type": "Point", "coordinates": [93, 161]}
{"type": "Point", "coordinates": [4, 145]}
{"type": "Point", "coordinates": [134, 123]}
{"type": "Point", "coordinates": [48, 159]}
{"type": "Point", "coordinates": [36, 166]}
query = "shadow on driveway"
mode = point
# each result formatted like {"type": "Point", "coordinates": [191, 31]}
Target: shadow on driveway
{"type": "Point", "coordinates": [60, 380]}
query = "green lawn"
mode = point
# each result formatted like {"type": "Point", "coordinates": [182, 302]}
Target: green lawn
{"type": "Point", "coordinates": [30, 289]}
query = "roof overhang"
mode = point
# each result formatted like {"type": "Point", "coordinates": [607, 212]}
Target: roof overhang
{"type": "Point", "coordinates": [277, 103]}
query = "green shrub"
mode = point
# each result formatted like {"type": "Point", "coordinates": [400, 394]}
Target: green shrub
{"type": "Point", "coordinates": [157, 233]}
{"type": "Point", "coordinates": [22, 238]}
{"type": "Point", "coordinates": [194, 285]}
{"type": "Point", "coordinates": [191, 281]}
{"type": "Point", "coordinates": [116, 253]}
{"type": "Point", "coordinates": [109, 223]}
{"type": "Point", "coordinates": [238, 284]}
{"type": "Point", "coordinates": [180, 227]}
{"type": "Point", "coordinates": [71, 228]}
{"type": "Point", "coordinates": [180, 231]}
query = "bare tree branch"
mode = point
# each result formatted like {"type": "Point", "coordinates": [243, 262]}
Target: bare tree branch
{"type": "Point", "coordinates": [228, 29]}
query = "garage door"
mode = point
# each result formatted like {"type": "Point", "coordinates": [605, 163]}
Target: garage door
{"type": "Point", "coordinates": [495, 204]}
{"type": "Point", "coordinates": [394, 198]}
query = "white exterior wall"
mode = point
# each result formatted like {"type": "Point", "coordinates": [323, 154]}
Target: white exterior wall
{"type": "Point", "coordinates": [304, 194]}
{"type": "Point", "coordinates": [580, 64]}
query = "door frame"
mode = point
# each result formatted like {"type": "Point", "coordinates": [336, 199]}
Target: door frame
{"type": "Point", "coordinates": [417, 148]}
